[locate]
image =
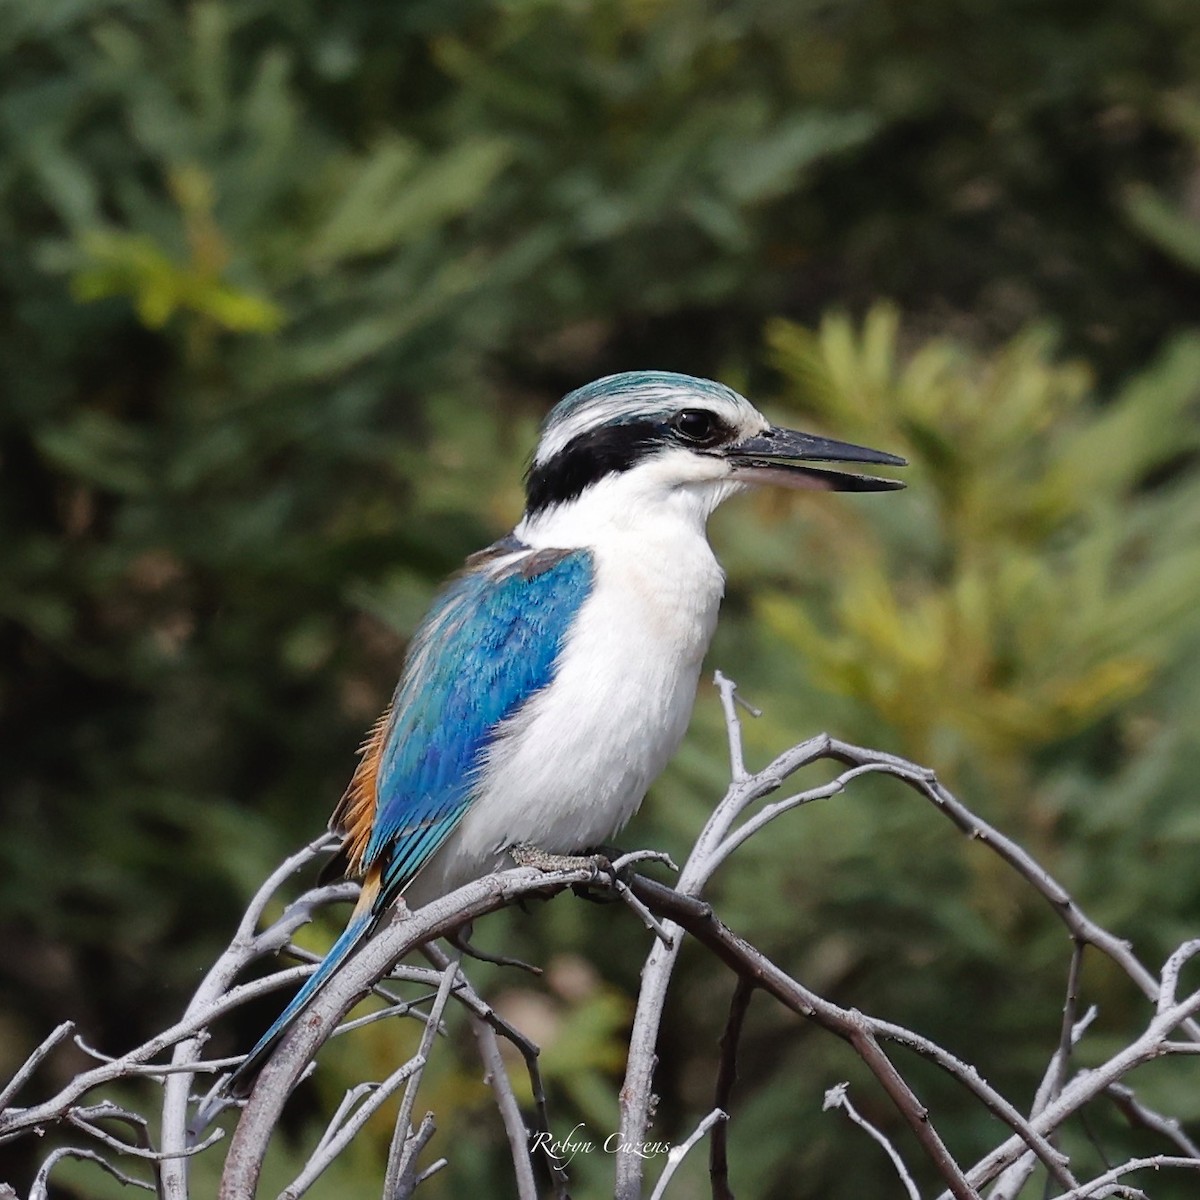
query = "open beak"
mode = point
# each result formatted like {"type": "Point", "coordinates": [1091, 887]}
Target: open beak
{"type": "Point", "coordinates": [781, 456]}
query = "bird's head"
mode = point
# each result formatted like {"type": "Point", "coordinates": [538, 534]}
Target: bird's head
{"type": "Point", "coordinates": [646, 438]}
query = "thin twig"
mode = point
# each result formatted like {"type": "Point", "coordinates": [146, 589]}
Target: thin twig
{"type": "Point", "coordinates": [510, 1113]}
{"type": "Point", "coordinates": [677, 1154]}
{"type": "Point", "coordinates": [1069, 1033]}
{"type": "Point", "coordinates": [290, 865]}
{"type": "Point", "coordinates": [396, 1004]}
{"type": "Point", "coordinates": [480, 1010]}
{"type": "Point", "coordinates": [73, 1118]}
{"type": "Point", "coordinates": [641, 1059]}
{"type": "Point", "coordinates": [1097, 1187]}
{"type": "Point", "coordinates": [718, 1147]}
{"type": "Point", "coordinates": [332, 1144]}
{"type": "Point", "coordinates": [529, 1054]}
{"type": "Point", "coordinates": [433, 1168]}
{"type": "Point", "coordinates": [1170, 972]}
{"type": "Point", "coordinates": [637, 1089]}
{"type": "Point", "coordinates": [1013, 1179]}
{"type": "Point", "coordinates": [55, 1038]}
{"type": "Point", "coordinates": [16, 1121]}
{"type": "Point", "coordinates": [345, 1106]}
{"type": "Point", "coordinates": [837, 1097]}
{"type": "Point", "coordinates": [1138, 1114]}
{"type": "Point", "coordinates": [39, 1189]}
{"type": "Point", "coordinates": [644, 915]}
{"type": "Point", "coordinates": [90, 1050]}
{"type": "Point", "coordinates": [636, 857]}
{"type": "Point", "coordinates": [460, 941]}
{"type": "Point", "coordinates": [770, 812]}
{"type": "Point", "coordinates": [400, 1009]}
{"type": "Point", "coordinates": [486, 1024]}
{"type": "Point", "coordinates": [733, 727]}
{"type": "Point", "coordinates": [405, 1145]}
{"type": "Point", "coordinates": [408, 1180]}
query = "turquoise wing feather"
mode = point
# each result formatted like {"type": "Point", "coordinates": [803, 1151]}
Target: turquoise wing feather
{"type": "Point", "coordinates": [491, 642]}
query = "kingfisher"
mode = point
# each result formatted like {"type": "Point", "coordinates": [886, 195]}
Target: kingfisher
{"type": "Point", "coordinates": [554, 676]}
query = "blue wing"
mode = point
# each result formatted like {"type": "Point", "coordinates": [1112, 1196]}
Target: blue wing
{"type": "Point", "coordinates": [491, 642]}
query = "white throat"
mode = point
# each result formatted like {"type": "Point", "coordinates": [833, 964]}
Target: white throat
{"type": "Point", "coordinates": [649, 502]}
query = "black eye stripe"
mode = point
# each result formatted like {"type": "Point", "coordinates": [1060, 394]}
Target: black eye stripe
{"type": "Point", "coordinates": [612, 449]}
{"type": "Point", "coordinates": [588, 458]}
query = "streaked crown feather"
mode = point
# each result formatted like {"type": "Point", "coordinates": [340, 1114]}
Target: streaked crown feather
{"type": "Point", "coordinates": [628, 397]}
{"type": "Point", "coordinates": [610, 426]}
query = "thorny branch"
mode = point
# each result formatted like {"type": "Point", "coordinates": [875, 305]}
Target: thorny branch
{"type": "Point", "coordinates": [667, 916]}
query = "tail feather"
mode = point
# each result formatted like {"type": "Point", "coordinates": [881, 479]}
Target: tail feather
{"type": "Point", "coordinates": [361, 924]}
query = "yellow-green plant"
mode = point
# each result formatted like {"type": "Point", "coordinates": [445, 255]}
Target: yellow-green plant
{"type": "Point", "coordinates": [1046, 563]}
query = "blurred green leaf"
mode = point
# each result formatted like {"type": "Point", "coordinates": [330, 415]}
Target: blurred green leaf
{"type": "Point", "coordinates": [287, 287]}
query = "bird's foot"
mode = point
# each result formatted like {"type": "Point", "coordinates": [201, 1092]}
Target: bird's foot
{"type": "Point", "coordinates": [599, 863]}
{"type": "Point", "coordinates": [525, 855]}
{"type": "Point", "coordinates": [604, 874]}
{"type": "Point", "coordinates": [609, 867]}
{"type": "Point", "coordinates": [609, 871]}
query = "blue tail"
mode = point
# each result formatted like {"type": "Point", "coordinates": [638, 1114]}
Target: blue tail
{"type": "Point", "coordinates": [360, 925]}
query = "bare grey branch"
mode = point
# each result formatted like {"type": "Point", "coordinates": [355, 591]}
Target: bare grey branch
{"type": "Point", "coordinates": [837, 1097]}
{"type": "Point", "coordinates": [672, 914]}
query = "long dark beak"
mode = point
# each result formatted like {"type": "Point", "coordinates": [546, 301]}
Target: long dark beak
{"type": "Point", "coordinates": [778, 456]}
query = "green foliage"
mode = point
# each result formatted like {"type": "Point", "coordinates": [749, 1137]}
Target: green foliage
{"type": "Point", "coordinates": [285, 288]}
{"type": "Point", "coordinates": [1037, 584]}
{"type": "Point", "coordinates": [1175, 228]}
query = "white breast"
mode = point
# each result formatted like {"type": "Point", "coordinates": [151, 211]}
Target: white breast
{"type": "Point", "coordinates": [572, 767]}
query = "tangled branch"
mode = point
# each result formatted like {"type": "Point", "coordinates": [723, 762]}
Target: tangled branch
{"type": "Point", "coordinates": [192, 1097]}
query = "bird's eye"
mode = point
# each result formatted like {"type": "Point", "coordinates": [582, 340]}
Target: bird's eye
{"type": "Point", "coordinates": [698, 426]}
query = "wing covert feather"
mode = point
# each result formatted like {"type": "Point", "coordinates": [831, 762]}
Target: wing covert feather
{"type": "Point", "coordinates": [490, 642]}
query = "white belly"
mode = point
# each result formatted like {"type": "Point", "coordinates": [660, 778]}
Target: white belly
{"type": "Point", "coordinates": [573, 765]}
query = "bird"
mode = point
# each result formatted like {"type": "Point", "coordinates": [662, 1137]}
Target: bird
{"type": "Point", "coordinates": [554, 677]}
